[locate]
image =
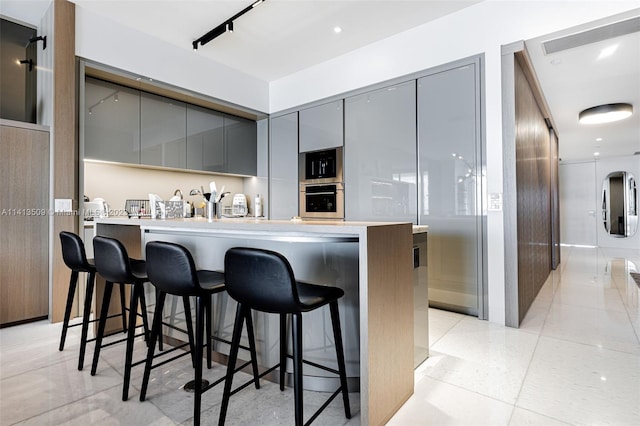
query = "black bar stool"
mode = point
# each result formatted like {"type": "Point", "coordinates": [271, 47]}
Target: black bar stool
{"type": "Point", "coordinates": [75, 257]}
{"type": "Point", "coordinates": [263, 280]}
{"type": "Point", "coordinates": [171, 270]}
{"type": "Point", "coordinates": [114, 265]}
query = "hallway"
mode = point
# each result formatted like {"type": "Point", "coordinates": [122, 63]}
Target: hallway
{"type": "Point", "coordinates": [575, 360]}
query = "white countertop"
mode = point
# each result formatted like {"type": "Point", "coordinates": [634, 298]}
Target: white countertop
{"type": "Point", "coordinates": [230, 224]}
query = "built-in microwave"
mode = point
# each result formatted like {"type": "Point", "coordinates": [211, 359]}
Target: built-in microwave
{"type": "Point", "coordinates": [322, 201]}
{"type": "Point", "coordinates": [321, 166]}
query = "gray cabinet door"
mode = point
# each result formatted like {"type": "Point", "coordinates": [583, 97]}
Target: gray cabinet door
{"type": "Point", "coordinates": [321, 127]}
{"type": "Point", "coordinates": [451, 184]}
{"type": "Point", "coordinates": [380, 155]}
{"type": "Point", "coordinates": [205, 139]}
{"type": "Point", "coordinates": [283, 160]}
{"type": "Point", "coordinates": [112, 122]}
{"type": "Point", "coordinates": [240, 146]}
{"type": "Point", "coordinates": [163, 130]}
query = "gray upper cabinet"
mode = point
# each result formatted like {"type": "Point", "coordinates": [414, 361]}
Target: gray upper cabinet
{"type": "Point", "coordinates": [217, 142]}
{"type": "Point", "coordinates": [130, 126]}
{"type": "Point", "coordinates": [163, 129]}
{"type": "Point", "coordinates": [205, 139]}
{"type": "Point", "coordinates": [283, 160]}
{"type": "Point", "coordinates": [240, 146]}
{"type": "Point", "coordinates": [112, 122]}
{"type": "Point", "coordinates": [380, 155]}
{"type": "Point", "coordinates": [321, 127]}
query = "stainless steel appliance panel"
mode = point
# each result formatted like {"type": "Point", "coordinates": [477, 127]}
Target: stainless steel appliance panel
{"type": "Point", "coordinates": [321, 166]}
{"type": "Point", "coordinates": [323, 201]}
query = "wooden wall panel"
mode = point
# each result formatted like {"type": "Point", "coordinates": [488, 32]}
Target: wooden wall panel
{"type": "Point", "coordinates": [65, 156]}
{"type": "Point", "coordinates": [533, 183]}
{"type": "Point", "coordinates": [24, 224]}
{"type": "Point", "coordinates": [389, 379]}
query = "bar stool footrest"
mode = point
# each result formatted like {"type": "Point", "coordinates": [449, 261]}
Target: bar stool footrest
{"type": "Point", "coordinates": [325, 405]}
{"type": "Point", "coordinates": [175, 348]}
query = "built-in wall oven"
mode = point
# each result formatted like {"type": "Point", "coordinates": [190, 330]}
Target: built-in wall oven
{"type": "Point", "coordinates": [321, 185]}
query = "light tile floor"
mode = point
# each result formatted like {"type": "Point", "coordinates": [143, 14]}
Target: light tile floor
{"type": "Point", "coordinates": [575, 360]}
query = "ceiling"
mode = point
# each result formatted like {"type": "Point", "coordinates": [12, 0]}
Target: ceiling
{"type": "Point", "coordinates": [579, 78]}
{"type": "Point", "coordinates": [281, 37]}
{"type": "Point", "coordinates": [277, 37]}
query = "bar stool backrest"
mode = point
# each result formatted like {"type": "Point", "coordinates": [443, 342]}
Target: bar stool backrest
{"type": "Point", "coordinates": [73, 252]}
{"type": "Point", "coordinates": [112, 260]}
{"type": "Point", "coordinates": [261, 279]}
{"type": "Point", "coordinates": [171, 268]}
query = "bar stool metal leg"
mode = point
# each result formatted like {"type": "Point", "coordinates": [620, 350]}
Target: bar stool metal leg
{"type": "Point", "coordinates": [337, 337]}
{"type": "Point", "coordinates": [160, 342]}
{"type": "Point", "coordinates": [143, 309]}
{"type": "Point", "coordinates": [283, 350]}
{"type": "Point", "coordinates": [156, 329]}
{"type": "Point", "coordinates": [252, 348]}
{"type": "Point", "coordinates": [233, 356]}
{"type": "Point", "coordinates": [189, 320]}
{"type": "Point", "coordinates": [73, 282]}
{"type": "Point", "coordinates": [124, 311]}
{"type": "Point", "coordinates": [201, 311]}
{"type": "Point", "coordinates": [131, 334]}
{"type": "Point", "coordinates": [296, 326]}
{"type": "Point", "coordinates": [91, 278]}
{"type": "Point", "coordinates": [209, 327]}
{"type": "Point", "coordinates": [101, 325]}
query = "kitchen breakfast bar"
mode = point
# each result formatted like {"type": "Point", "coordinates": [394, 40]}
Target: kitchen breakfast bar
{"type": "Point", "coordinates": [371, 261]}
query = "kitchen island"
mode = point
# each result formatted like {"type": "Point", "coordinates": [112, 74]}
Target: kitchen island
{"type": "Point", "coordinates": [372, 262]}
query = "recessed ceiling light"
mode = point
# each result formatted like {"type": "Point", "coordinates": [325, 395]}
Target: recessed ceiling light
{"type": "Point", "coordinates": [598, 139]}
{"type": "Point", "coordinates": [605, 113]}
{"type": "Point", "coordinates": [595, 154]}
{"type": "Point", "coordinates": [607, 51]}
{"type": "Point", "coordinates": [337, 30]}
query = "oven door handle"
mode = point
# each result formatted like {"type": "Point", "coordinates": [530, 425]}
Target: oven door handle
{"type": "Point", "coordinates": [320, 193]}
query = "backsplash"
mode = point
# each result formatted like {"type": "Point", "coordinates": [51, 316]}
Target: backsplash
{"type": "Point", "coordinates": [117, 183]}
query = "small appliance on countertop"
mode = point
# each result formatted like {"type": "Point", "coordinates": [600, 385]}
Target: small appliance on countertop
{"type": "Point", "coordinates": [239, 205]}
{"type": "Point", "coordinates": [96, 208]}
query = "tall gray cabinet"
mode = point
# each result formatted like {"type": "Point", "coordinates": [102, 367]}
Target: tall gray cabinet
{"type": "Point", "coordinates": [321, 127]}
{"type": "Point", "coordinates": [451, 178]}
{"type": "Point", "coordinates": [380, 155]}
{"type": "Point", "coordinates": [283, 162]}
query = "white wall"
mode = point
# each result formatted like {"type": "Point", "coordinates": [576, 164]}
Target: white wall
{"type": "Point", "coordinates": [482, 28]}
{"type": "Point", "coordinates": [578, 205]}
{"type": "Point", "coordinates": [105, 41]}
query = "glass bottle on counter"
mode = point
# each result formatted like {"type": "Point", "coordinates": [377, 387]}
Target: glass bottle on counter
{"type": "Point", "coordinates": [257, 208]}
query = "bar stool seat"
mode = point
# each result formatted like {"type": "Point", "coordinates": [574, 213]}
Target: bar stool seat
{"type": "Point", "coordinates": [75, 257]}
{"type": "Point", "coordinates": [172, 271]}
{"type": "Point", "coordinates": [263, 280]}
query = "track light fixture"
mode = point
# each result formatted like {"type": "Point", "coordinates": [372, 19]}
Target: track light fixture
{"type": "Point", "coordinates": [39, 38]}
{"type": "Point", "coordinates": [224, 27]}
{"type": "Point", "coordinates": [29, 62]}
